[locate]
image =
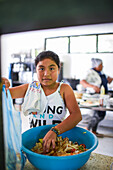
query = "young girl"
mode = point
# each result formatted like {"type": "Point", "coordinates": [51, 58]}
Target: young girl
{"type": "Point", "coordinates": [46, 101]}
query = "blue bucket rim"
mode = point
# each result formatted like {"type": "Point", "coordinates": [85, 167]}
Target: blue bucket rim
{"type": "Point", "coordinates": [88, 152]}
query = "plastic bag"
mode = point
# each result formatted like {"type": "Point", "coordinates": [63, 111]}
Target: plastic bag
{"type": "Point", "coordinates": [14, 157]}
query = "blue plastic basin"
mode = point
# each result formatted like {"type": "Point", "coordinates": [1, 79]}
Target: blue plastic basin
{"type": "Point", "coordinates": [44, 162]}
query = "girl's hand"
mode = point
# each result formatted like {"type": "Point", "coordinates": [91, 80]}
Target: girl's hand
{"type": "Point", "coordinates": [48, 140]}
{"type": "Point", "coordinates": [6, 82]}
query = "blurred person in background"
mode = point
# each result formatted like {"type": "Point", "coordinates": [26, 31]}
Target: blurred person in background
{"type": "Point", "coordinates": [93, 81]}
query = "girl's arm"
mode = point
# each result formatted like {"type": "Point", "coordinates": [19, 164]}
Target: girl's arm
{"type": "Point", "coordinates": [71, 121]}
{"type": "Point", "coordinates": [75, 115]}
{"type": "Point", "coordinates": [18, 91]}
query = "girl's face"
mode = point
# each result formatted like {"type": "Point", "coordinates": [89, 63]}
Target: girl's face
{"type": "Point", "coordinates": [47, 72]}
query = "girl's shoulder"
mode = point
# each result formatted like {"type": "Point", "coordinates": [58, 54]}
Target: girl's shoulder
{"type": "Point", "coordinates": [65, 85]}
{"type": "Point", "coordinates": [65, 88]}
{"type": "Point", "coordinates": [66, 91]}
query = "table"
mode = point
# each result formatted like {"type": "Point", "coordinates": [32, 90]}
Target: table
{"type": "Point", "coordinates": [99, 108]}
{"type": "Point", "coordinates": [94, 106]}
{"type": "Point", "coordinates": [93, 100]}
{"type": "Point", "coordinates": [95, 162]}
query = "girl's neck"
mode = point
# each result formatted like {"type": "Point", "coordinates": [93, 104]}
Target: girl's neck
{"type": "Point", "coordinates": [50, 89]}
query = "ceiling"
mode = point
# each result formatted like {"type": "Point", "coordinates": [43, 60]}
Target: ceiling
{"type": "Point", "coordinates": [27, 15]}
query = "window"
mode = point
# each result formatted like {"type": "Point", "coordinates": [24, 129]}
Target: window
{"type": "Point", "coordinates": [83, 44]}
{"type": "Point", "coordinates": [105, 43]}
{"type": "Point", "coordinates": [58, 45]}
{"type": "Point", "coordinates": [95, 43]}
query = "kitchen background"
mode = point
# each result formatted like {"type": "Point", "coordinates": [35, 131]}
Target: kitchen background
{"type": "Point", "coordinates": [18, 51]}
{"type": "Point", "coordinates": [21, 16]}
{"type": "Point", "coordinates": [76, 60]}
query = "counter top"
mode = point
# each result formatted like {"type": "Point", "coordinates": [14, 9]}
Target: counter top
{"type": "Point", "coordinates": [96, 161]}
{"type": "Point", "coordinates": [98, 108]}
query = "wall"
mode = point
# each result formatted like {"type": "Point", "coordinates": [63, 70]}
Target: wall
{"type": "Point", "coordinates": [74, 64]}
{"type": "Point", "coordinates": [78, 64]}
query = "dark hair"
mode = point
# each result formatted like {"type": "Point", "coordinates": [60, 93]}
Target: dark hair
{"type": "Point", "coordinates": [47, 54]}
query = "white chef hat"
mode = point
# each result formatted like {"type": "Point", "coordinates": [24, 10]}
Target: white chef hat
{"type": "Point", "coordinates": [96, 62]}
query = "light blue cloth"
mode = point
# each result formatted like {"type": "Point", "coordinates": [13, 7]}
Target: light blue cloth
{"type": "Point", "coordinates": [14, 157]}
